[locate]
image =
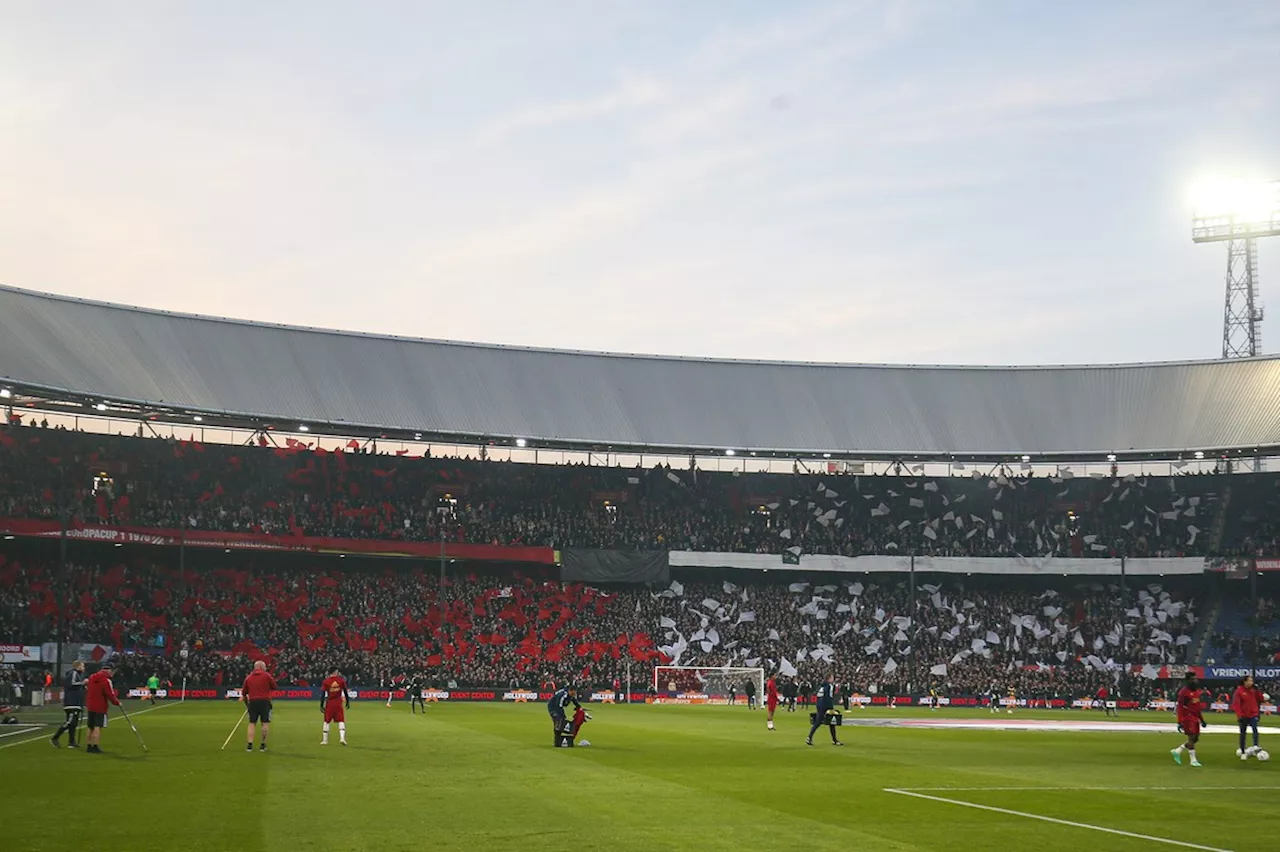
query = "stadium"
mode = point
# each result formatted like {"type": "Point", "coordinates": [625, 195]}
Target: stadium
{"type": "Point", "coordinates": [1007, 573]}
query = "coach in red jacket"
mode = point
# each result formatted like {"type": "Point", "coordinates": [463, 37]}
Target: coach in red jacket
{"type": "Point", "coordinates": [99, 693]}
{"type": "Point", "coordinates": [256, 695]}
{"type": "Point", "coordinates": [1246, 704]}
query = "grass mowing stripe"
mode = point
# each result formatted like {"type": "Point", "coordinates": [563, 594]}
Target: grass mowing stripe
{"type": "Point", "coordinates": [1055, 820]}
{"type": "Point", "coordinates": [84, 723]}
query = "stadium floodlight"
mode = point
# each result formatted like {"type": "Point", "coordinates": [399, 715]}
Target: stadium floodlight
{"type": "Point", "coordinates": [1232, 208]}
{"type": "Point", "coordinates": [1026, 459]}
{"type": "Point", "coordinates": [5, 393]}
{"type": "Point", "coordinates": [1238, 212]}
{"type": "Point", "coordinates": [304, 428]}
{"type": "Point", "coordinates": [1199, 454]}
{"type": "Point", "coordinates": [728, 452]}
{"type": "Point", "coordinates": [198, 419]}
{"type": "Point", "coordinates": [521, 442]}
{"type": "Point", "coordinates": [1111, 457]}
{"type": "Point", "coordinates": [102, 406]}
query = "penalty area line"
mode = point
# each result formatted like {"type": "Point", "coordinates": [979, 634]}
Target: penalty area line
{"type": "Point", "coordinates": [1054, 820]}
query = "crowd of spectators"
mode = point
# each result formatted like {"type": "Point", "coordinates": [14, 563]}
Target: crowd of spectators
{"type": "Point", "coordinates": [353, 493]}
{"type": "Point", "coordinates": [306, 615]}
{"type": "Point", "coordinates": [964, 638]}
{"type": "Point", "coordinates": [1248, 630]}
{"type": "Point", "coordinates": [207, 624]}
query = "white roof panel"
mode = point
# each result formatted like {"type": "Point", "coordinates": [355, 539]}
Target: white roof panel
{"type": "Point", "coordinates": [315, 376]}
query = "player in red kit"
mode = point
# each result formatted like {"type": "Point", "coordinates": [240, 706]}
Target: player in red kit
{"type": "Point", "coordinates": [771, 699]}
{"type": "Point", "coordinates": [256, 694]}
{"type": "Point", "coordinates": [1104, 695]}
{"type": "Point", "coordinates": [1246, 703]}
{"type": "Point", "coordinates": [1190, 719]}
{"type": "Point", "coordinates": [335, 701]}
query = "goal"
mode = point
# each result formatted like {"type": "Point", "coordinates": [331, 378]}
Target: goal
{"type": "Point", "coordinates": [706, 684]}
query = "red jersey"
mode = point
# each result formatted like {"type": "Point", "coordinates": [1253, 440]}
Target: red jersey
{"type": "Point", "coordinates": [258, 686]}
{"type": "Point", "coordinates": [771, 690]}
{"type": "Point", "coordinates": [1189, 704]}
{"type": "Point", "coordinates": [1103, 693]}
{"type": "Point", "coordinates": [334, 689]}
{"type": "Point", "coordinates": [98, 693]}
{"type": "Point", "coordinates": [1245, 702]}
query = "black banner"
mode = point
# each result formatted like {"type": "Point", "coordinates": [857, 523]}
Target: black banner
{"type": "Point", "coordinates": [614, 566]}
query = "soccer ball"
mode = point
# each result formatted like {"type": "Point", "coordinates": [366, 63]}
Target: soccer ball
{"type": "Point", "coordinates": [1264, 755]}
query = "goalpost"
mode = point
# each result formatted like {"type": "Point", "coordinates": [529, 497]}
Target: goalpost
{"type": "Point", "coordinates": [706, 684]}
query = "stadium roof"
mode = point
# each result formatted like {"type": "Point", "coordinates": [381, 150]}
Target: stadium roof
{"type": "Point", "coordinates": [173, 366]}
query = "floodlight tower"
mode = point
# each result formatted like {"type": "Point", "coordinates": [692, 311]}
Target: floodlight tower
{"type": "Point", "coordinates": [1238, 212]}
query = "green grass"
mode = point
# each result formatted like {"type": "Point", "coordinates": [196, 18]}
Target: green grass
{"type": "Point", "coordinates": [484, 776]}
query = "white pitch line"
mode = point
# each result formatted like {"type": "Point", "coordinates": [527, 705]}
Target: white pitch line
{"type": "Point", "coordinates": [25, 729]}
{"type": "Point", "coordinates": [1065, 789]}
{"type": "Point", "coordinates": [1055, 820]}
{"type": "Point", "coordinates": [83, 723]}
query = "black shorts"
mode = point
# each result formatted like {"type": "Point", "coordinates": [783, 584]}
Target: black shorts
{"type": "Point", "coordinates": [97, 720]}
{"type": "Point", "coordinates": [259, 710]}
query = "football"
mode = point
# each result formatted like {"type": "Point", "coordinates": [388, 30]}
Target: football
{"type": "Point", "coordinates": [1264, 755]}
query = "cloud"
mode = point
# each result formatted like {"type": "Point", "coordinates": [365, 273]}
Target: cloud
{"type": "Point", "coordinates": [630, 95]}
{"type": "Point", "coordinates": [630, 184]}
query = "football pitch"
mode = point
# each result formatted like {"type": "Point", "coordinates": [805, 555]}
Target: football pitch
{"type": "Point", "coordinates": [485, 776]}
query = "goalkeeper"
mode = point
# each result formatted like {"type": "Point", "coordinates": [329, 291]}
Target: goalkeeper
{"type": "Point", "coordinates": [825, 706]}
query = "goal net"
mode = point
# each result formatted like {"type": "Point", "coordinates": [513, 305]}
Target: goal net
{"type": "Point", "coordinates": [706, 685]}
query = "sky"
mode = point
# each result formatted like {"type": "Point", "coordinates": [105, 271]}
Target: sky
{"type": "Point", "coordinates": [902, 181]}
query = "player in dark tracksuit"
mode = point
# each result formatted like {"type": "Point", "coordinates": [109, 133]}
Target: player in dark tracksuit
{"type": "Point", "coordinates": [556, 708]}
{"type": "Point", "coordinates": [826, 701]}
{"type": "Point", "coordinates": [72, 704]}
{"type": "Point", "coordinates": [415, 694]}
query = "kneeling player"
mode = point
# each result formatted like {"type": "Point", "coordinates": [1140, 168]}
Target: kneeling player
{"type": "Point", "coordinates": [556, 708]}
{"type": "Point", "coordinates": [1190, 719]}
{"type": "Point", "coordinates": [335, 700]}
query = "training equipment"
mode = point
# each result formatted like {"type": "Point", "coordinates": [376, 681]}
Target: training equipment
{"type": "Point", "coordinates": [831, 717]}
{"type": "Point", "coordinates": [236, 728]}
{"type": "Point", "coordinates": [1263, 755]}
{"type": "Point", "coordinates": [135, 728]}
{"type": "Point", "coordinates": [705, 685]}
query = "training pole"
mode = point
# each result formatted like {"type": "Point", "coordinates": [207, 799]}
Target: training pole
{"type": "Point", "coordinates": [236, 728]}
{"type": "Point", "coordinates": [134, 727]}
